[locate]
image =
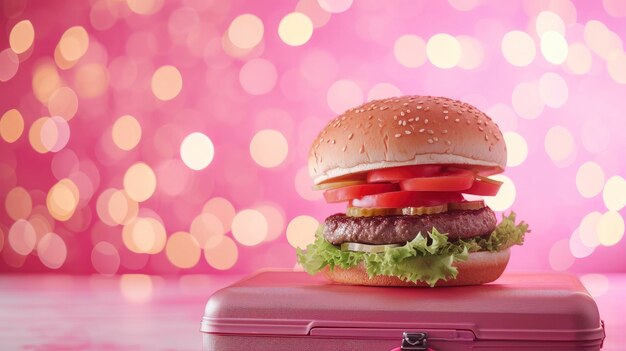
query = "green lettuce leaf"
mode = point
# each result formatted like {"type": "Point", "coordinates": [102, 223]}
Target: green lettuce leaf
{"type": "Point", "coordinates": [427, 258]}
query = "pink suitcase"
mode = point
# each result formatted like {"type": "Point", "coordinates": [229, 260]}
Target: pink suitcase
{"type": "Point", "coordinates": [277, 310]}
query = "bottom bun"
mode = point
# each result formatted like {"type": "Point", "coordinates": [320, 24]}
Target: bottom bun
{"type": "Point", "coordinates": [480, 268]}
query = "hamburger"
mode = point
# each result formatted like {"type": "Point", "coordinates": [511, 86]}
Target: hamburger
{"type": "Point", "coordinates": [405, 167]}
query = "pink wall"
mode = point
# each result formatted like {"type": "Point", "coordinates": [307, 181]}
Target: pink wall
{"type": "Point", "coordinates": [558, 95]}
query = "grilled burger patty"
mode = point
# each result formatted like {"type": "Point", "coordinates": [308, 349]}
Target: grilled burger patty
{"type": "Point", "coordinates": [377, 230]}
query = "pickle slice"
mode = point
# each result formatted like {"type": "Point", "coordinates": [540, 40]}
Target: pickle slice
{"type": "Point", "coordinates": [418, 211]}
{"type": "Point", "coordinates": [371, 212]}
{"type": "Point", "coordinates": [366, 247]}
{"type": "Point", "coordinates": [467, 205]}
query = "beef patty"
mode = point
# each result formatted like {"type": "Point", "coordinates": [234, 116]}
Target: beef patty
{"type": "Point", "coordinates": [340, 228]}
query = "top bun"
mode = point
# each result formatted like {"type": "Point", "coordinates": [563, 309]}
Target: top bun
{"type": "Point", "coordinates": [403, 131]}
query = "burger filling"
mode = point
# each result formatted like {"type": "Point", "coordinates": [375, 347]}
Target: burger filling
{"type": "Point", "coordinates": [410, 222]}
{"type": "Point", "coordinates": [340, 228]}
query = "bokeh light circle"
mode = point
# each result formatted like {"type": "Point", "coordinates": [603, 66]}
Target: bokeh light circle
{"type": "Point", "coordinates": [9, 64]}
{"type": "Point", "coordinates": [595, 135]}
{"type": "Point", "coordinates": [182, 250]}
{"type": "Point", "coordinates": [269, 148]}
{"type": "Point", "coordinates": [554, 47]}
{"type": "Point", "coordinates": [222, 209]}
{"type": "Point", "coordinates": [472, 52]}
{"type": "Point", "coordinates": [589, 179]}
{"type": "Point", "coordinates": [383, 91]}
{"type": "Point", "coordinates": [560, 257]}
{"type": "Point", "coordinates": [197, 151]}
{"type": "Point", "coordinates": [62, 199]}
{"type": "Point", "coordinates": [301, 231]}
{"type": "Point", "coordinates": [295, 29]}
{"type": "Point", "coordinates": [335, 6]}
{"type": "Point", "coordinates": [506, 195]}
{"type": "Point", "coordinates": [588, 229]}
{"type": "Point", "coordinates": [64, 103]}
{"type": "Point", "coordinates": [258, 76]}
{"type": "Point", "coordinates": [443, 50]}
{"type": "Point", "coordinates": [610, 228]}
{"type": "Point", "coordinates": [126, 132]}
{"type": "Point", "coordinates": [518, 48]}
{"type": "Point", "coordinates": [207, 229]}
{"type": "Point", "coordinates": [559, 143]}
{"type": "Point", "coordinates": [144, 235]}
{"type": "Point", "coordinates": [105, 258]}
{"type": "Point", "coordinates": [579, 59]}
{"type": "Point", "coordinates": [548, 20]}
{"type": "Point", "coordinates": [516, 148]}
{"type": "Point", "coordinates": [22, 237]}
{"type": "Point", "coordinates": [139, 182]}
{"type": "Point", "coordinates": [22, 36]}
{"type": "Point", "coordinates": [246, 31]}
{"type": "Point", "coordinates": [614, 193]}
{"type": "Point", "coordinates": [303, 185]}
{"type": "Point", "coordinates": [18, 203]}
{"type": "Point", "coordinates": [11, 125]}
{"type": "Point", "coordinates": [249, 227]}
{"type": "Point", "coordinates": [615, 8]}
{"type": "Point", "coordinates": [526, 100]}
{"type": "Point", "coordinates": [166, 83]}
{"type": "Point", "coordinates": [410, 50]}
{"type": "Point", "coordinates": [74, 43]}
{"type": "Point", "coordinates": [343, 95]}
{"type": "Point", "coordinates": [52, 251]}
{"type": "Point", "coordinates": [616, 66]}
{"type": "Point", "coordinates": [223, 256]}
{"type": "Point", "coordinates": [577, 247]}
{"type": "Point", "coordinates": [553, 89]}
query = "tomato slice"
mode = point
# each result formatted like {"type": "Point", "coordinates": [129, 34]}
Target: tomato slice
{"type": "Point", "coordinates": [404, 172]}
{"type": "Point", "coordinates": [484, 186]}
{"type": "Point", "coordinates": [354, 191]}
{"type": "Point", "coordinates": [442, 183]}
{"type": "Point", "coordinates": [398, 199]}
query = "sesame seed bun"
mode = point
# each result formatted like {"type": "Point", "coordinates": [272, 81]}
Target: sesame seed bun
{"type": "Point", "coordinates": [480, 268]}
{"type": "Point", "coordinates": [409, 130]}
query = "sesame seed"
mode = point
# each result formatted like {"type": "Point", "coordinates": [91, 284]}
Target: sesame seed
{"type": "Point", "coordinates": [411, 119]}
{"type": "Point", "coordinates": [403, 123]}
{"type": "Point", "coordinates": [459, 112]}
{"type": "Point", "coordinates": [457, 120]}
{"type": "Point", "coordinates": [427, 108]}
{"type": "Point", "coordinates": [435, 139]}
{"type": "Point", "coordinates": [402, 113]}
{"type": "Point", "coordinates": [448, 142]}
{"type": "Point", "coordinates": [350, 136]}
{"type": "Point", "coordinates": [370, 117]}
{"type": "Point", "coordinates": [380, 125]}
{"type": "Point", "coordinates": [382, 108]}
{"type": "Point", "coordinates": [361, 149]}
{"type": "Point", "coordinates": [405, 104]}
{"type": "Point", "coordinates": [430, 141]}
{"type": "Point", "coordinates": [399, 123]}
{"type": "Point", "coordinates": [446, 117]}
{"type": "Point", "coordinates": [422, 130]}
{"type": "Point", "coordinates": [344, 148]}
{"type": "Point", "coordinates": [407, 132]}
{"type": "Point", "coordinates": [430, 131]}
{"type": "Point", "coordinates": [321, 139]}
{"type": "Point", "coordinates": [419, 107]}
{"type": "Point", "coordinates": [395, 117]}
{"type": "Point", "coordinates": [425, 120]}
{"type": "Point", "coordinates": [486, 137]}
{"type": "Point", "coordinates": [481, 128]}
{"type": "Point", "coordinates": [332, 141]}
{"type": "Point", "coordinates": [408, 110]}
{"type": "Point", "coordinates": [444, 131]}
{"type": "Point", "coordinates": [445, 111]}
{"type": "Point", "coordinates": [398, 135]}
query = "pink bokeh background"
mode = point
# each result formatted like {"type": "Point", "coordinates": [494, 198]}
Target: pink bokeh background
{"type": "Point", "coordinates": [555, 86]}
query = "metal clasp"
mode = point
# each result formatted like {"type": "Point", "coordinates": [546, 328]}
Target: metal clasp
{"type": "Point", "coordinates": [414, 341]}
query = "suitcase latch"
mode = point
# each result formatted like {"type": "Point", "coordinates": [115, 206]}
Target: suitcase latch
{"type": "Point", "coordinates": [414, 341]}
